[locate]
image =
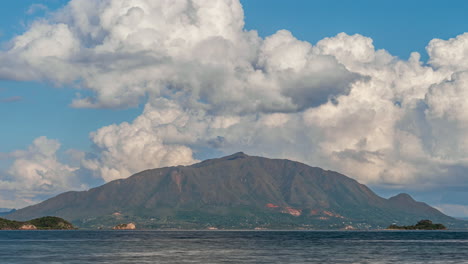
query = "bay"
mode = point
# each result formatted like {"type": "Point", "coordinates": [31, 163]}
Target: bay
{"type": "Point", "coordinates": [233, 247]}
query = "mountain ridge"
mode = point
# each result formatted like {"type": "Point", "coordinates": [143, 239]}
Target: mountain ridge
{"type": "Point", "coordinates": [236, 191]}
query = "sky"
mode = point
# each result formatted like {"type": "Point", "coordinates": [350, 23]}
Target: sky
{"type": "Point", "coordinates": [96, 90]}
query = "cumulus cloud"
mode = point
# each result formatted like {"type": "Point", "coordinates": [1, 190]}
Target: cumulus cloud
{"type": "Point", "coordinates": [207, 83]}
{"type": "Point", "coordinates": [194, 51]}
{"type": "Point", "coordinates": [36, 172]}
{"type": "Point", "coordinates": [450, 53]}
{"type": "Point", "coordinates": [151, 141]}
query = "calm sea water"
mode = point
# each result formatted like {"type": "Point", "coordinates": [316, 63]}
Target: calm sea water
{"type": "Point", "coordinates": [232, 247]}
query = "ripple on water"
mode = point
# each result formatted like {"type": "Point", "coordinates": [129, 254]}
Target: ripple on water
{"type": "Point", "coordinates": [233, 247]}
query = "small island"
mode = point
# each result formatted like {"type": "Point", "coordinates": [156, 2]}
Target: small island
{"type": "Point", "coordinates": [421, 225]}
{"type": "Point", "coordinates": [43, 223]}
{"type": "Point", "coordinates": [129, 226]}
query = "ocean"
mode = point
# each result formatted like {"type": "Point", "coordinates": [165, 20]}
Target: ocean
{"type": "Point", "coordinates": [233, 247]}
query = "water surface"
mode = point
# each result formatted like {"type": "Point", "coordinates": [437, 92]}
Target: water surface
{"type": "Point", "coordinates": [233, 247]}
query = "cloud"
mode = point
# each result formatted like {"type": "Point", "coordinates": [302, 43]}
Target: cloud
{"type": "Point", "coordinates": [151, 141]}
{"type": "Point", "coordinates": [36, 172]}
{"type": "Point", "coordinates": [36, 8]}
{"type": "Point", "coordinates": [196, 52]}
{"type": "Point", "coordinates": [450, 54]}
{"type": "Point", "coordinates": [208, 83]}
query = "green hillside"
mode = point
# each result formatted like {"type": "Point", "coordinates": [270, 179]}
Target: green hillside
{"type": "Point", "coordinates": [43, 223]}
{"type": "Point", "coordinates": [421, 225]}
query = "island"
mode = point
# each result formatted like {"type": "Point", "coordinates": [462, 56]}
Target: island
{"type": "Point", "coordinates": [43, 223]}
{"type": "Point", "coordinates": [129, 226]}
{"type": "Point", "coordinates": [421, 225]}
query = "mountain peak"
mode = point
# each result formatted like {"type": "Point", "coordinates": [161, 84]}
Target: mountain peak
{"type": "Point", "coordinates": [238, 155]}
{"type": "Point", "coordinates": [402, 197]}
{"type": "Point", "coordinates": [235, 156]}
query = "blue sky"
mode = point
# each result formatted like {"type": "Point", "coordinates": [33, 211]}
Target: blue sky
{"type": "Point", "coordinates": [399, 26]}
{"type": "Point", "coordinates": [42, 107]}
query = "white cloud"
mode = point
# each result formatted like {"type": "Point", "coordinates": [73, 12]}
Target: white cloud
{"type": "Point", "coordinates": [38, 166]}
{"type": "Point", "coordinates": [451, 54]}
{"type": "Point", "coordinates": [151, 141]}
{"type": "Point", "coordinates": [36, 172]}
{"type": "Point", "coordinates": [446, 100]}
{"type": "Point", "coordinates": [206, 82]}
{"type": "Point", "coordinates": [194, 51]}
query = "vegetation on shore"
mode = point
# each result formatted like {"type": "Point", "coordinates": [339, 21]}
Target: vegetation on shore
{"type": "Point", "coordinates": [43, 223]}
{"type": "Point", "coordinates": [421, 225]}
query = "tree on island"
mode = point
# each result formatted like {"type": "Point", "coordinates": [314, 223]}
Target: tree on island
{"type": "Point", "coordinates": [421, 225]}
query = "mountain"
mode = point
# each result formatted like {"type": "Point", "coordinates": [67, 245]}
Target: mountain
{"type": "Point", "coordinates": [236, 192]}
{"type": "Point", "coordinates": [5, 211]}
